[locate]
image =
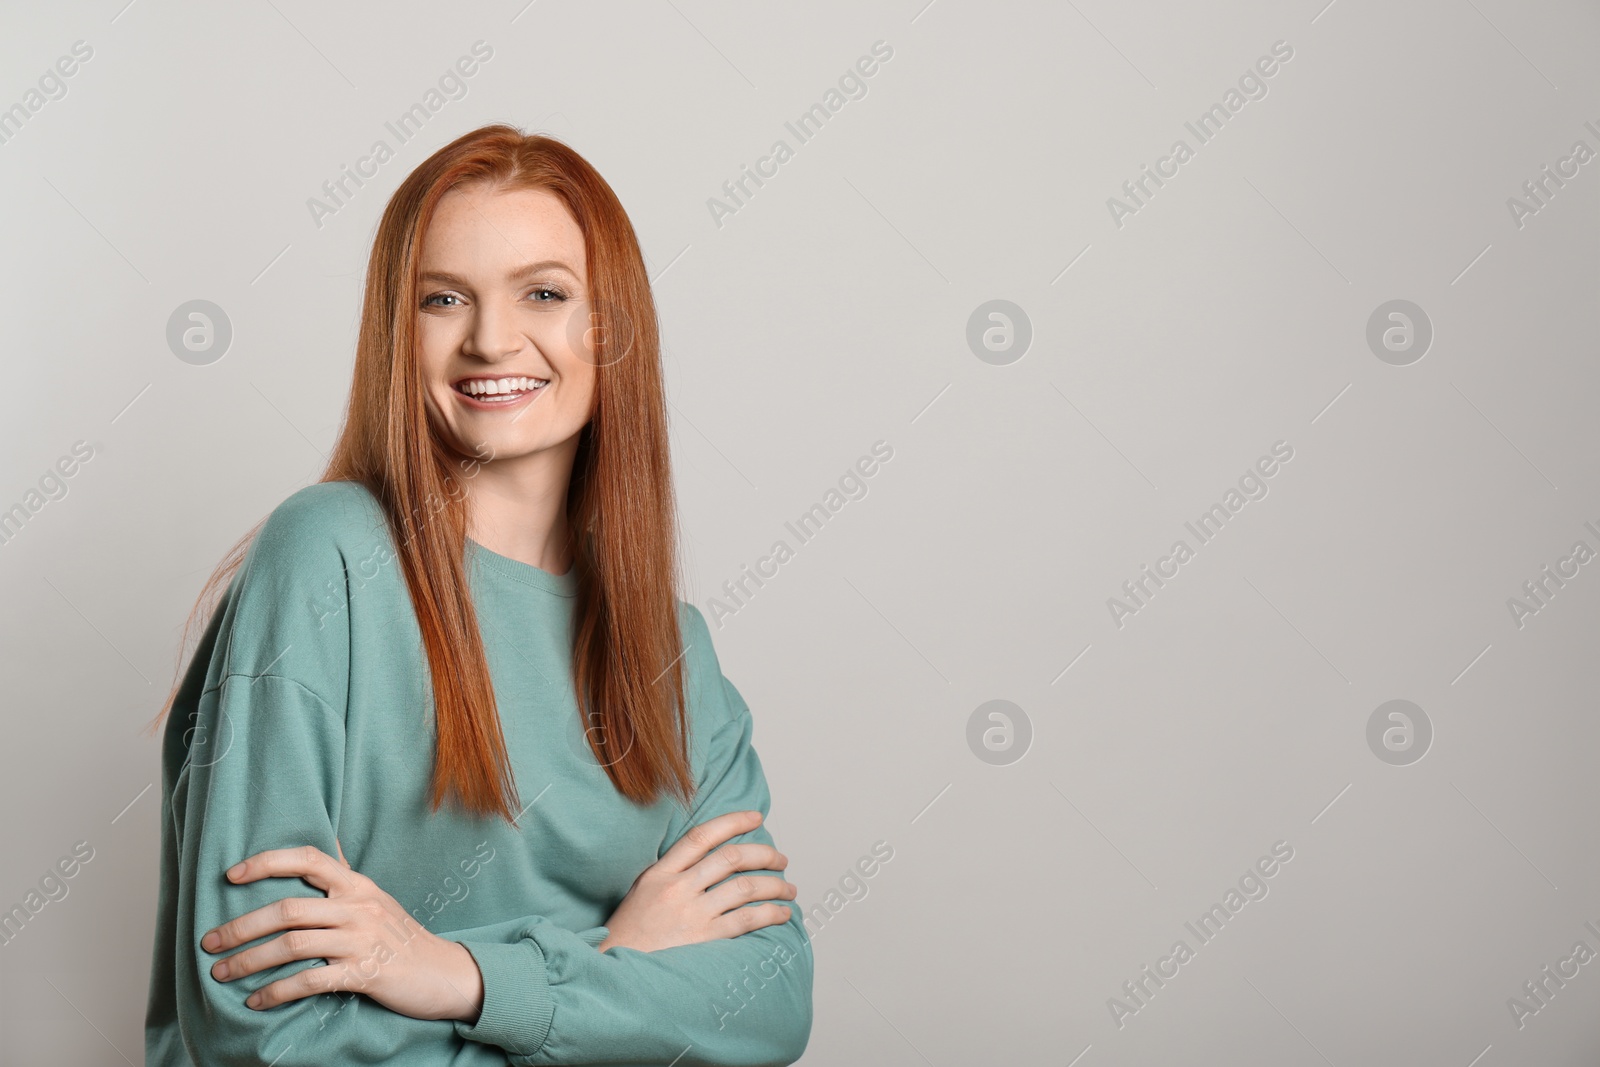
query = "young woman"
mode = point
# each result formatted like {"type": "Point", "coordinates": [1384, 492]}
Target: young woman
{"type": "Point", "coordinates": [462, 655]}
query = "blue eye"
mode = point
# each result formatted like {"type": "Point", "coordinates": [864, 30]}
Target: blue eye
{"type": "Point", "coordinates": [544, 294]}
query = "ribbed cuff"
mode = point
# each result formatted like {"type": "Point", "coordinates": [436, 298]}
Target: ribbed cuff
{"type": "Point", "coordinates": [517, 1005]}
{"type": "Point", "coordinates": [595, 935]}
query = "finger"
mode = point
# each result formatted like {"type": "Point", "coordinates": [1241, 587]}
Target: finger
{"type": "Point", "coordinates": [301, 984]}
{"type": "Point", "coordinates": [699, 840]}
{"type": "Point", "coordinates": [341, 852]}
{"type": "Point", "coordinates": [743, 920]}
{"type": "Point", "coordinates": [328, 944]}
{"type": "Point", "coordinates": [308, 862]}
{"type": "Point", "coordinates": [745, 888]}
{"type": "Point", "coordinates": [286, 914]}
{"type": "Point", "coordinates": [746, 856]}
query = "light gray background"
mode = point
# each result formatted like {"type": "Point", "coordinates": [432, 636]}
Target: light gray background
{"type": "Point", "coordinates": [831, 312]}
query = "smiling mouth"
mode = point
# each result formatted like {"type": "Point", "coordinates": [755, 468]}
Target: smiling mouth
{"type": "Point", "coordinates": [499, 391]}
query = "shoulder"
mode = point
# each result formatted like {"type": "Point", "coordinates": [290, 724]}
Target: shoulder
{"type": "Point", "coordinates": [317, 533]}
{"type": "Point", "coordinates": [285, 616]}
{"type": "Point", "coordinates": [699, 654]}
{"type": "Point", "coordinates": [692, 622]}
{"type": "Point", "coordinates": [714, 702]}
{"type": "Point", "coordinates": [320, 517]}
{"type": "Point", "coordinates": [308, 546]}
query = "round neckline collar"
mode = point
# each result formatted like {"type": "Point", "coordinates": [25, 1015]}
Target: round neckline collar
{"type": "Point", "coordinates": [560, 584]}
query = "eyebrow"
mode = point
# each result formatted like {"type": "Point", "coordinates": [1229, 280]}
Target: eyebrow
{"type": "Point", "coordinates": [513, 275]}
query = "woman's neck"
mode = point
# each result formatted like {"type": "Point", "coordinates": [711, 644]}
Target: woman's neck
{"type": "Point", "coordinates": [518, 508]}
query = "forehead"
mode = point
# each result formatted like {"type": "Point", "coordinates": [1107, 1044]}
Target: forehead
{"type": "Point", "coordinates": [476, 226]}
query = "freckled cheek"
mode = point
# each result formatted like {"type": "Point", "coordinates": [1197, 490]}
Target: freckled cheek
{"type": "Point", "coordinates": [434, 389]}
{"type": "Point", "coordinates": [555, 342]}
{"type": "Point", "coordinates": [432, 346]}
{"type": "Point", "coordinates": [573, 367]}
{"type": "Point", "coordinates": [572, 401]}
{"type": "Point", "coordinates": [577, 381]}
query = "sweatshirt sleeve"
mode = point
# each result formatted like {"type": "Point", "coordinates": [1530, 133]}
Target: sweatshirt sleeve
{"type": "Point", "coordinates": [259, 765]}
{"type": "Point", "coordinates": [550, 998]}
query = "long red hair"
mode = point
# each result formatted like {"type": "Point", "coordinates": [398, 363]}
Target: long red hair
{"type": "Point", "coordinates": [627, 654]}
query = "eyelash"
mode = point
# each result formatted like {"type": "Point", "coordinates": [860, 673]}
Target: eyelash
{"type": "Point", "coordinates": [560, 296]}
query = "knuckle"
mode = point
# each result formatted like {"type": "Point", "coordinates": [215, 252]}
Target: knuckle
{"type": "Point", "coordinates": [746, 886]}
{"type": "Point", "coordinates": [291, 909]}
{"type": "Point", "coordinates": [734, 855]}
{"type": "Point", "coordinates": [295, 942]}
{"type": "Point", "coordinates": [699, 836]}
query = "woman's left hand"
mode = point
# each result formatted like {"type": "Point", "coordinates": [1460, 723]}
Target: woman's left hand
{"type": "Point", "coordinates": [372, 946]}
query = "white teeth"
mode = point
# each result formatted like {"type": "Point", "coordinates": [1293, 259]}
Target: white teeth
{"type": "Point", "coordinates": [500, 386]}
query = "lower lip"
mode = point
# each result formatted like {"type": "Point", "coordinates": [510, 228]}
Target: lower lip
{"type": "Point", "coordinates": [499, 402]}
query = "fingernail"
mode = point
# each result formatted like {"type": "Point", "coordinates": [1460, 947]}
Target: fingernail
{"type": "Point", "coordinates": [253, 1000]}
{"type": "Point", "coordinates": [211, 941]}
{"type": "Point", "coordinates": [236, 870]}
{"type": "Point", "coordinates": [220, 971]}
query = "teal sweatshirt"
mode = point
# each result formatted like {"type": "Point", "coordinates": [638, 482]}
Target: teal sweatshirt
{"type": "Point", "coordinates": [306, 715]}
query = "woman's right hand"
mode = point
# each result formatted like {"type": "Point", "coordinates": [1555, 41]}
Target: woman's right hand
{"type": "Point", "coordinates": [671, 902]}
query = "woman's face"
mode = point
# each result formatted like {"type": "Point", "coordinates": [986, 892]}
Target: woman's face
{"type": "Point", "coordinates": [502, 312]}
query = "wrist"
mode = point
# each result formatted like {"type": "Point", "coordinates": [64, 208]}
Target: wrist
{"type": "Point", "coordinates": [466, 981]}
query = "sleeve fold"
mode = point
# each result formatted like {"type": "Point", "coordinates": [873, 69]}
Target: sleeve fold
{"type": "Point", "coordinates": [517, 1004]}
